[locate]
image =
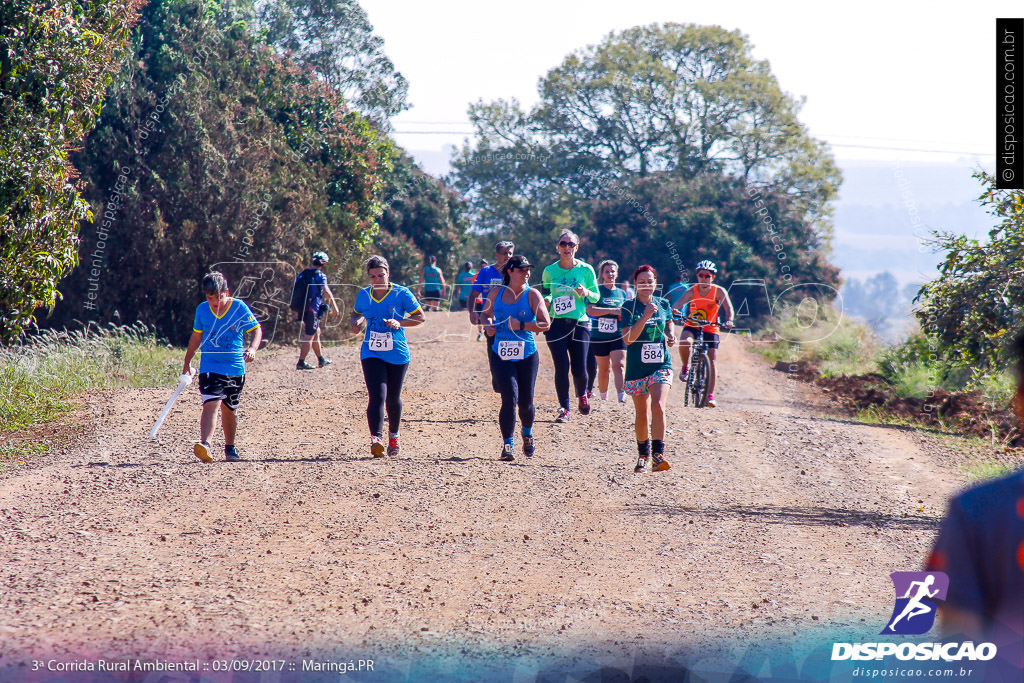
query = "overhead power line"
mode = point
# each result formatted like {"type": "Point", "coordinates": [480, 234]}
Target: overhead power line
{"type": "Point", "coordinates": [831, 144]}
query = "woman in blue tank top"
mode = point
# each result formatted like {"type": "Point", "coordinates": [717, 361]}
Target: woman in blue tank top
{"type": "Point", "coordinates": [513, 313]}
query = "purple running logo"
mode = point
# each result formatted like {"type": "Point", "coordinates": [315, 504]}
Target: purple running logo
{"type": "Point", "coordinates": [916, 597]}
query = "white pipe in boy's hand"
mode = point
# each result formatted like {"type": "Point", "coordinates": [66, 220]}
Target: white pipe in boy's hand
{"type": "Point", "coordinates": [183, 381]}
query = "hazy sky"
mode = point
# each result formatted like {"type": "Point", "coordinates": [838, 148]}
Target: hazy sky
{"type": "Point", "coordinates": [909, 75]}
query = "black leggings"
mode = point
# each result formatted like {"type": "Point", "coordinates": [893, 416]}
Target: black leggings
{"type": "Point", "coordinates": [516, 380]}
{"type": "Point", "coordinates": [384, 383]}
{"type": "Point", "coordinates": [569, 340]}
{"type": "Point", "coordinates": [591, 368]}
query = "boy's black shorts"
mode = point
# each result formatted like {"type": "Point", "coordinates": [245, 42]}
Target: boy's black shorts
{"type": "Point", "coordinates": [214, 386]}
{"type": "Point", "coordinates": [711, 339]}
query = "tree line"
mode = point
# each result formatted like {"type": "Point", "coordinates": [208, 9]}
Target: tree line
{"type": "Point", "coordinates": [230, 131]}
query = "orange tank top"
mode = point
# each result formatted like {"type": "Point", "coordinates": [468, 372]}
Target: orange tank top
{"type": "Point", "coordinates": [705, 308]}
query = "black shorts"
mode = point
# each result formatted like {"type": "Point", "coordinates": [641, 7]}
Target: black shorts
{"type": "Point", "coordinates": [311, 320]}
{"type": "Point", "coordinates": [604, 348]}
{"type": "Point", "coordinates": [431, 294]}
{"type": "Point", "coordinates": [711, 339]}
{"type": "Point", "coordinates": [214, 386]}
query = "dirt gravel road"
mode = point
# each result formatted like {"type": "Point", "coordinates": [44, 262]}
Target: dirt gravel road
{"type": "Point", "coordinates": [774, 520]}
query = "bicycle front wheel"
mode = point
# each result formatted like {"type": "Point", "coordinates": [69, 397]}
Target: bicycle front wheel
{"type": "Point", "coordinates": [701, 376]}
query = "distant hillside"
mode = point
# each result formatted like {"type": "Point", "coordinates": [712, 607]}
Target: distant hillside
{"type": "Point", "coordinates": [885, 210]}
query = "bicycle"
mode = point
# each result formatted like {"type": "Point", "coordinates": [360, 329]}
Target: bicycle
{"type": "Point", "coordinates": [700, 368]}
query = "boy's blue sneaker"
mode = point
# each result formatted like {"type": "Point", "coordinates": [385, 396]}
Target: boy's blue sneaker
{"type": "Point", "coordinates": [231, 455]}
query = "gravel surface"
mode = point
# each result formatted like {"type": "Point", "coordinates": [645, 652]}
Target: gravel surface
{"type": "Point", "coordinates": [774, 519]}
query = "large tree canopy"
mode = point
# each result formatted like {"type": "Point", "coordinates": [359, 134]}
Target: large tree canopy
{"type": "Point", "coordinates": [668, 101]}
{"type": "Point", "coordinates": [334, 38]}
{"type": "Point", "coordinates": [213, 148]}
{"type": "Point", "coordinates": [56, 59]}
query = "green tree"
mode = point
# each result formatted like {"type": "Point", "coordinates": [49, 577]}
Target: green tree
{"type": "Point", "coordinates": [56, 59]}
{"type": "Point", "coordinates": [974, 307]}
{"type": "Point", "coordinates": [671, 222]}
{"type": "Point", "coordinates": [335, 39]}
{"type": "Point", "coordinates": [422, 217]}
{"type": "Point", "coordinates": [233, 154]}
{"type": "Point", "coordinates": [666, 98]}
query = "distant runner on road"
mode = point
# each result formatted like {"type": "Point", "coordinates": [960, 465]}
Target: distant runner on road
{"type": "Point", "coordinates": [385, 309]}
{"type": "Point", "coordinates": [432, 285]}
{"type": "Point", "coordinates": [464, 284]}
{"type": "Point", "coordinates": [647, 331]}
{"type": "Point", "coordinates": [514, 312]}
{"type": "Point", "coordinates": [314, 290]}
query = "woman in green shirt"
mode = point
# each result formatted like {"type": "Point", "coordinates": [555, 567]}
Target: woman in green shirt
{"type": "Point", "coordinates": [647, 331]}
{"type": "Point", "coordinates": [569, 284]}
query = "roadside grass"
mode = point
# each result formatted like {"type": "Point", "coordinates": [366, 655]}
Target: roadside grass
{"type": "Point", "coordinates": [839, 346]}
{"type": "Point", "coordinates": [822, 336]}
{"type": "Point", "coordinates": [41, 378]}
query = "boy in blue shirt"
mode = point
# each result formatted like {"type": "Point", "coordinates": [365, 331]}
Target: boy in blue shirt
{"type": "Point", "coordinates": [218, 331]}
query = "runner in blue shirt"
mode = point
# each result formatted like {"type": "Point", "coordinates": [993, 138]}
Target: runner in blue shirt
{"type": "Point", "coordinates": [488, 277]}
{"type": "Point", "coordinates": [514, 311]}
{"type": "Point", "coordinates": [385, 309]}
{"type": "Point", "coordinates": [218, 333]}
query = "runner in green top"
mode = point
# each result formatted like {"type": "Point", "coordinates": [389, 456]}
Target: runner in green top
{"type": "Point", "coordinates": [647, 331]}
{"type": "Point", "coordinates": [569, 285]}
{"type": "Point", "coordinates": [607, 350]}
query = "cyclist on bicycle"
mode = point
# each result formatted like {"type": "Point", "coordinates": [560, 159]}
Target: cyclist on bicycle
{"type": "Point", "coordinates": [705, 299]}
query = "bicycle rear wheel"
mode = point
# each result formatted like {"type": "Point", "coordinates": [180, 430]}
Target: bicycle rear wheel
{"type": "Point", "coordinates": [701, 375]}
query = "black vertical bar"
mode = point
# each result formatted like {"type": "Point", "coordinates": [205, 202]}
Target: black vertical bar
{"type": "Point", "coordinates": [1009, 104]}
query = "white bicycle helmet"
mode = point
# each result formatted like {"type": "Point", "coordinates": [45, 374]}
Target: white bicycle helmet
{"type": "Point", "coordinates": [708, 266]}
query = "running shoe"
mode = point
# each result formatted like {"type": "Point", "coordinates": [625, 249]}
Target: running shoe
{"type": "Point", "coordinates": [202, 451]}
{"type": "Point", "coordinates": [622, 397]}
{"type": "Point", "coordinates": [590, 393]}
{"type": "Point", "coordinates": [392, 446]}
{"type": "Point", "coordinates": [528, 447]}
{"type": "Point", "coordinates": [683, 373]}
{"type": "Point", "coordinates": [479, 336]}
{"type": "Point", "coordinates": [660, 464]}
{"type": "Point", "coordinates": [604, 395]}
{"type": "Point", "coordinates": [303, 365]}
{"type": "Point", "coordinates": [563, 415]}
{"type": "Point", "coordinates": [377, 446]}
{"type": "Point", "coordinates": [641, 464]}
{"type": "Point", "coordinates": [506, 453]}
{"type": "Point", "coordinates": [231, 455]}
{"type": "Point", "coordinates": [584, 405]}
{"type": "Point", "coordinates": [324, 362]}
{"type": "Point", "coordinates": [711, 401]}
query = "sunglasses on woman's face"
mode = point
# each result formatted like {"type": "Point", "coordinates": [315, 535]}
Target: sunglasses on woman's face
{"type": "Point", "coordinates": [703, 275]}
{"type": "Point", "coordinates": [569, 245]}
